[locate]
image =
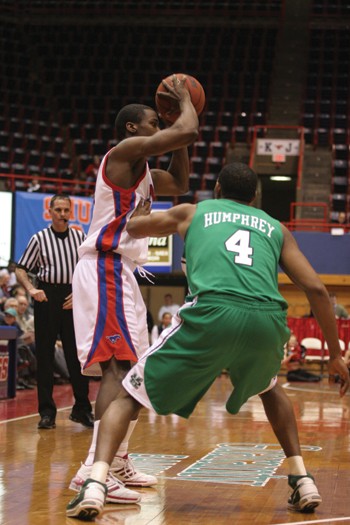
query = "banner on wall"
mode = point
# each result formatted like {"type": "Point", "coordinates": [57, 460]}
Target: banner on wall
{"type": "Point", "coordinates": [160, 249]}
{"type": "Point", "coordinates": [32, 215]}
{"type": "Point", "coordinates": [5, 230]}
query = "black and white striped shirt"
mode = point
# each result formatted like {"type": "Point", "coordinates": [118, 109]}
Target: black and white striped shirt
{"type": "Point", "coordinates": [52, 256]}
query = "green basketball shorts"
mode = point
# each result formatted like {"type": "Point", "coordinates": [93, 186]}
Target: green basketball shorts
{"type": "Point", "coordinates": [207, 336]}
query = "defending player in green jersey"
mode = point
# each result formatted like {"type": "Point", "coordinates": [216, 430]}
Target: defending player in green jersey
{"type": "Point", "coordinates": [233, 318]}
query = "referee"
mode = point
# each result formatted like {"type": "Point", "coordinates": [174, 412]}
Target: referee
{"type": "Point", "coordinates": [51, 255]}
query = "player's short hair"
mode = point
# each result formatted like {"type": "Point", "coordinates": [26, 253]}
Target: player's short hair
{"type": "Point", "coordinates": [129, 113]}
{"type": "Point", "coordinates": [238, 182]}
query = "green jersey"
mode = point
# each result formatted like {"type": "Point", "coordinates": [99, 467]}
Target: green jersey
{"type": "Point", "coordinates": [235, 250]}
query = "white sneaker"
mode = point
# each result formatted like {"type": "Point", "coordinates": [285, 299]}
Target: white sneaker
{"type": "Point", "coordinates": [89, 502]}
{"type": "Point", "coordinates": [304, 496]}
{"type": "Point", "coordinates": [123, 469]}
{"type": "Point", "coordinates": [117, 493]}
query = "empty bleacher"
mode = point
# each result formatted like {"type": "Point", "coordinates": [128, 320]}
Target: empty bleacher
{"type": "Point", "coordinates": [78, 77]}
{"type": "Point", "coordinates": [62, 83]}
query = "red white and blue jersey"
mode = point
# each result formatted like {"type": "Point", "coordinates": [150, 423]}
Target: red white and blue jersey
{"type": "Point", "coordinates": [112, 210]}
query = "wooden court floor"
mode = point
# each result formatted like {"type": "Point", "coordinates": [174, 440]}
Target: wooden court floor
{"type": "Point", "coordinates": [213, 469]}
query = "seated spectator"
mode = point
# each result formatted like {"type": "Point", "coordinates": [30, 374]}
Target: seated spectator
{"type": "Point", "coordinates": [25, 321]}
{"type": "Point", "coordinates": [19, 291]}
{"type": "Point", "coordinates": [26, 362]}
{"type": "Point", "coordinates": [4, 287]}
{"type": "Point", "coordinates": [34, 185]}
{"type": "Point", "coordinates": [8, 318]}
{"type": "Point", "coordinates": [13, 279]}
{"type": "Point", "coordinates": [169, 306]}
{"type": "Point", "coordinates": [340, 224]}
{"type": "Point", "coordinates": [11, 302]}
{"type": "Point", "coordinates": [158, 329]}
{"type": "Point", "coordinates": [340, 311]}
{"type": "Point", "coordinates": [341, 218]}
{"type": "Point", "coordinates": [293, 360]}
{"type": "Point", "coordinates": [25, 318]}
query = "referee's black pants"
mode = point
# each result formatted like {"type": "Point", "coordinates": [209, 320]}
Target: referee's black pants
{"type": "Point", "coordinates": [51, 322]}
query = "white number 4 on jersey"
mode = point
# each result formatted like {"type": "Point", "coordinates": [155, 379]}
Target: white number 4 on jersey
{"type": "Point", "coordinates": [239, 243]}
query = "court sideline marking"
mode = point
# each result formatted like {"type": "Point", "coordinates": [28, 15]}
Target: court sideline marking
{"type": "Point", "coordinates": [36, 415]}
{"type": "Point", "coordinates": [328, 520]}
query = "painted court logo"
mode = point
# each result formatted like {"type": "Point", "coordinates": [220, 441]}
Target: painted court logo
{"type": "Point", "coordinates": [136, 381]}
{"type": "Point", "coordinates": [113, 338]}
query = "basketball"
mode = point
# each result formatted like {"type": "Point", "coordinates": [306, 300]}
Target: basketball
{"type": "Point", "coordinates": [195, 89]}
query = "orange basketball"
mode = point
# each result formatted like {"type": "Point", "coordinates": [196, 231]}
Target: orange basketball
{"type": "Point", "coordinates": [197, 97]}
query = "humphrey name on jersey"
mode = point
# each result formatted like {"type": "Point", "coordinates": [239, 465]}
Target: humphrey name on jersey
{"type": "Point", "coordinates": [218, 217]}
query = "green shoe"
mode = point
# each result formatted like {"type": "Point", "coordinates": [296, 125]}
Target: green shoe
{"type": "Point", "coordinates": [89, 502]}
{"type": "Point", "coordinates": [304, 496]}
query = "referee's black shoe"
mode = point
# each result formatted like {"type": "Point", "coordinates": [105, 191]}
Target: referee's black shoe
{"type": "Point", "coordinates": [47, 422]}
{"type": "Point", "coordinates": [85, 418]}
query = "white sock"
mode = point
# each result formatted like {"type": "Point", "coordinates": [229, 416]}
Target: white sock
{"type": "Point", "coordinates": [124, 445]}
{"type": "Point", "coordinates": [99, 471]}
{"type": "Point", "coordinates": [296, 466]}
{"type": "Point", "coordinates": [91, 454]}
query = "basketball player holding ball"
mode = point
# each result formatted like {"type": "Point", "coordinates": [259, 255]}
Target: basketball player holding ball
{"type": "Point", "coordinates": [109, 312]}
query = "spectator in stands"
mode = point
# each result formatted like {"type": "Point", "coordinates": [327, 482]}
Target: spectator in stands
{"type": "Point", "coordinates": [169, 306]}
{"type": "Point", "coordinates": [27, 331]}
{"type": "Point", "coordinates": [25, 319]}
{"type": "Point", "coordinates": [341, 219]}
{"type": "Point", "coordinates": [34, 185]}
{"type": "Point", "coordinates": [9, 316]}
{"type": "Point", "coordinates": [4, 286]}
{"type": "Point", "coordinates": [25, 359]}
{"type": "Point", "coordinates": [19, 291]}
{"type": "Point", "coordinates": [12, 271]}
{"type": "Point", "coordinates": [294, 356]}
{"type": "Point", "coordinates": [340, 311]}
{"type": "Point", "coordinates": [340, 224]}
{"type": "Point", "coordinates": [158, 329]}
{"type": "Point", "coordinates": [11, 302]}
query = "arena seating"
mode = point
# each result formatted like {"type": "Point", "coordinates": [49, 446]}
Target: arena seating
{"type": "Point", "coordinates": [330, 8]}
{"type": "Point", "coordinates": [61, 85]}
{"type": "Point", "coordinates": [79, 77]}
{"type": "Point", "coordinates": [326, 108]}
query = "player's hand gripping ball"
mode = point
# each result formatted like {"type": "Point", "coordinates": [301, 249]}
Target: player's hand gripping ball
{"type": "Point", "coordinates": [168, 108]}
